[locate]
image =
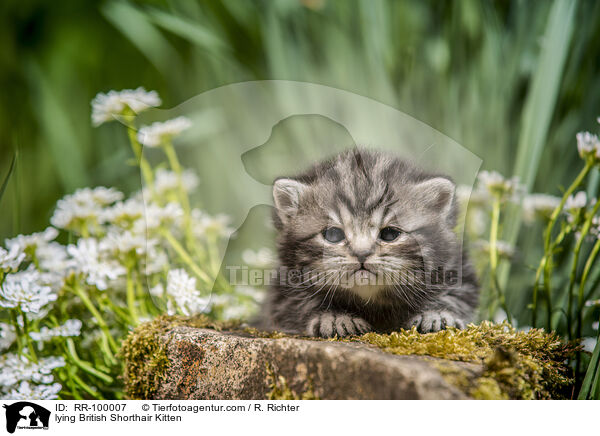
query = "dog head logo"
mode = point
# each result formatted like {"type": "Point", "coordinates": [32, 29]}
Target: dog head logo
{"type": "Point", "coordinates": [26, 415]}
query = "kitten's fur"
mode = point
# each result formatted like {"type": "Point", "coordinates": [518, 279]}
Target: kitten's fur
{"type": "Point", "coordinates": [362, 192]}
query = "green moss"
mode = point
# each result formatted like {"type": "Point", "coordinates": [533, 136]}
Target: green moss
{"type": "Point", "coordinates": [146, 360]}
{"type": "Point", "coordinates": [519, 365]}
{"type": "Point", "coordinates": [145, 356]}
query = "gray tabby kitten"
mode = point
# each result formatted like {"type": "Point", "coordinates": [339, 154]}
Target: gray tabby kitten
{"type": "Point", "coordinates": [366, 243]}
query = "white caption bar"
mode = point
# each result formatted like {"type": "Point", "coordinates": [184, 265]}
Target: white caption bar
{"type": "Point", "coordinates": [91, 418]}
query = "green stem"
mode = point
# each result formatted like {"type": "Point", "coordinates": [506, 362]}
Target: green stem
{"type": "Point", "coordinates": [584, 232]}
{"type": "Point", "coordinates": [131, 299]}
{"type": "Point", "coordinates": [185, 256]}
{"type": "Point", "coordinates": [85, 366]}
{"type": "Point", "coordinates": [548, 246]}
{"type": "Point", "coordinates": [137, 150]}
{"type": "Point", "coordinates": [556, 212]}
{"type": "Point", "coordinates": [99, 319]}
{"type": "Point", "coordinates": [494, 257]}
{"type": "Point", "coordinates": [541, 268]}
{"type": "Point", "coordinates": [581, 297]}
{"type": "Point", "coordinates": [122, 314]}
{"type": "Point", "coordinates": [27, 336]}
{"type": "Point", "coordinates": [172, 157]}
{"type": "Point", "coordinates": [83, 385]}
{"type": "Point", "coordinates": [141, 297]}
{"type": "Point", "coordinates": [15, 323]}
{"type": "Point", "coordinates": [185, 201]}
{"type": "Point", "coordinates": [73, 384]}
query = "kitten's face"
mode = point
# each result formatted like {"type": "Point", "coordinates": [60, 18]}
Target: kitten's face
{"type": "Point", "coordinates": [364, 224]}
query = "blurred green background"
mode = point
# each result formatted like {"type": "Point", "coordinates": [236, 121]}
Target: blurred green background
{"type": "Point", "coordinates": [512, 81]}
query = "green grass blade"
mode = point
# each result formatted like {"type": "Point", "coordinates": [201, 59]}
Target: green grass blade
{"type": "Point", "coordinates": [10, 171]}
{"type": "Point", "coordinates": [591, 382]}
{"type": "Point", "coordinates": [539, 106]}
{"type": "Point", "coordinates": [134, 24]}
{"type": "Point", "coordinates": [192, 31]}
{"type": "Point", "coordinates": [58, 128]}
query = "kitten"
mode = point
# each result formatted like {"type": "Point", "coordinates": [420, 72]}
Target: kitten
{"type": "Point", "coordinates": [366, 243]}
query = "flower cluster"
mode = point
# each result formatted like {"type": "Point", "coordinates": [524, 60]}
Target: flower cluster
{"type": "Point", "coordinates": [18, 372]}
{"type": "Point", "coordinates": [183, 297]}
{"type": "Point", "coordinates": [539, 206]}
{"type": "Point", "coordinates": [160, 133]}
{"type": "Point", "coordinates": [114, 104]}
{"type": "Point", "coordinates": [127, 259]}
{"type": "Point", "coordinates": [588, 145]}
{"type": "Point", "coordinates": [24, 290]}
{"type": "Point", "coordinates": [496, 185]}
{"type": "Point", "coordinates": [80, 212]}
{"type": "Point", "coordinates": [71, 327]}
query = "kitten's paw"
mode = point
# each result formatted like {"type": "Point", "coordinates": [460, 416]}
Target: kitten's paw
{"type": "Point", "coordinates": [328, 325]}
{"type": "Point", "coordinates": [433, 321]}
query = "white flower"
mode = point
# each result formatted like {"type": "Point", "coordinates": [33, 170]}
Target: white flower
{"type": "Point", "coordinates": [500, 316]}
{"type": "Point", "coordinates": [231, 306]}
{"type": "Point", "coordinates": [539, 205]}
{"type": "Point", "coordinates": [167, 181]}
{"type": "Point", "coordinates": [592, 303]}
{"type": "Point", "coordinates": [71, 327]}
{"type": "Point", "coordinates": [471, 197]}
{"type": "Point", "coordinates": [17, 368]}
{"type": "Point", "coordinates": [587, 145]}
{"type": "Point", "coordinates": [156, 261]}
{"type": "Point", "coordinates": [255, 294]}
{"type": "Point", "coordinates": [232, 311]}
{"type": "Point", "coordinates": [575, 206]}
{"type": "Point", "coordinates": [157, 216]}
{"type": "Point", "coordinates": [121, 244]}
{"type": "Point", "coordinates": [184, 295]}
{"type": "Point", "coordinates": [124, 213]}
{"type": "Point", "coordinates": [262, 258]}
{"type": "Point", "coordinates": [25, 391]}
{"type": "Point", "coordinates": [157, 291]}
{"type": "Point", "coordinates": [31, 242]}
{"type": "Point", "coordinates": [503, 248]}
{"type": "Point", "coordinates": [88, 260]}
{"type": "Point", "coordinates": [204, 224]}
{"type": "Point", "coordinates": [499, 186]}
{"type": "Point", "coordinates": [106, 107]}
{"type": "Point", "coordinates": [7, 336]}
{"type": "Point", "coordinates": [577, 201]}
{"type": "Point", "coordinates": [23, 289]}
{"type": "Point", "coordinates": [477, 221]}
{"type": "Point", "coordinates": [84, 205]}
{"type": "Point", "coordinates": [588, 344]}
{"type": "Point", "coordinates": [159, 133]}
{"type": "Point", "coordinates": [10, 260]}
{"type": "Point", "coordinates": [53, 258]}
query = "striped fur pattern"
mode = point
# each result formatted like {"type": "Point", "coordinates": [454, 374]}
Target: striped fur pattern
{"type": "Point", "coordinates": [374, 278]}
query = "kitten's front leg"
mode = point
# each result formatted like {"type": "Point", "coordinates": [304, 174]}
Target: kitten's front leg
{"type": "Point", "coordinates": [436, 320]}
{"type": "Point", "coordinates": [330, 324]}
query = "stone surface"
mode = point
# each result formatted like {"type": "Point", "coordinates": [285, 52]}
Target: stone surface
{"type": "Point", "coordinates": [208, 364]}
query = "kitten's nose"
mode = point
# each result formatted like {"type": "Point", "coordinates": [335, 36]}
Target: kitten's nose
{"type": "Point", "coordinates": [361, 256]}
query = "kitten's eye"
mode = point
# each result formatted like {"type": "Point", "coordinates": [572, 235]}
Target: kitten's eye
{"type": "Point", "coordinates": [334, 234]}
{"type": "Point", "coordinates": [389, 234]}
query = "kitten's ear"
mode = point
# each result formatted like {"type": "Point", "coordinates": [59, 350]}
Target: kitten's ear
{"type": "Point", "coordinates": [437, 195]}
{"type": "Point", "coordinates": [286, 194]}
